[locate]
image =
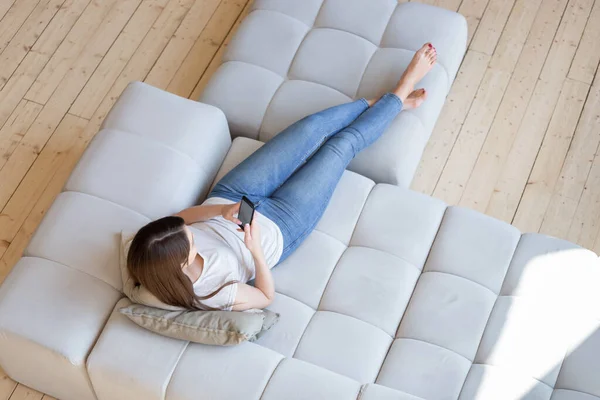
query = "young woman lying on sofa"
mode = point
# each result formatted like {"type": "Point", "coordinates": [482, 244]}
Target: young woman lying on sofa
{"type": "Point", "coordinates": [290, 180]}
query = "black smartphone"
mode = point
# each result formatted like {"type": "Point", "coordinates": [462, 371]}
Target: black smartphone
{"type": "Point", "coordinates": [246, 212]}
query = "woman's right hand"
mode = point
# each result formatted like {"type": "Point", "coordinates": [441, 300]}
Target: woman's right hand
{"type": "Point", "coordinates": [252, 238]}
{"type": "Point", "coordinates": [230, 211]}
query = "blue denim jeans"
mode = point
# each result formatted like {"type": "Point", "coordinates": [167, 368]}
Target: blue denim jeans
{"type": "Point", "coordinates": [293, 176]}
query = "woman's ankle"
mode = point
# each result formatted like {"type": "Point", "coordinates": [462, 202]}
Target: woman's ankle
{"type": "Point", "coordinates": [403, 90]}
{"type": "Point", "coordinates": [372, 101]}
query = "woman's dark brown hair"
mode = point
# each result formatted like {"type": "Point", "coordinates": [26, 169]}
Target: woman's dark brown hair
{"type": "Point", "coordinates": [157, 254]}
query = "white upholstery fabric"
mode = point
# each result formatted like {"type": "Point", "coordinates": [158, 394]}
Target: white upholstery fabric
{"type": "Point", "coordinates": [399, 222]}
{"type": "Point", "coordinates": [70, 220]}
{"type": "Point", "coordinates": [292, 58]}
{"type": "Point", "coordinates": [413, 365]}
{"type": "Point", "coordinates": [200, 372]}
{"type": "Point", "coordinates": [579, 371]}
{"type": "Point", "coordinates": [167, 174]}
{"type": "Point", "coordinates": [378, 392]}
{"type": "Point", "coordinates": [50, 317]}
{"type": "Point", "coordinates": [162, 135]}
{"type": "Point", "coordinates": [129, 362]}
{"type": "Point", "coordinates": [394, 296]}
{"type": "Point", "coordinates": [299, 380]}
{"type": "Point", "coordinates": [181, 125]}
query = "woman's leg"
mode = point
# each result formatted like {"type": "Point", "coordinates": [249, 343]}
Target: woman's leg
{"type": "Point", "coordinates": [269, 167]}
{"type": "Point", "coordinates": [297, 206]}
{"type": "Point", "coordinates": [299, 203]}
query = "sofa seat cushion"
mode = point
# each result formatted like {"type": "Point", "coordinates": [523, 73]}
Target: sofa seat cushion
{"type": "Point", "coordinates": [394, 296]}
{"type": "Point", "coordinates": [291, 59]}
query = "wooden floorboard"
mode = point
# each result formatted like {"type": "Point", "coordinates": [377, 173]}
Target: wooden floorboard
{"type": "Point", "coordinates": [81, 37]}
{"type": "Point", "coordinates": [491, 26]}
{"type": "Point", "coordinates": [7, 386]}
{"type": "Point", "coordinates": [205, 48]}
{"type": "Point", "coordinates": [181, 43]}
{"type": "Point", "coordinates": [587, 57]}
{"type": "Point", "coordinates": [473, 11]}
{"type": "Point", "coordinates": [518, 137]}
{"type": "Point", "coordinates": [513, 179]}
{"type": "Point", "coordinates": [24, 393]}
{"type": "Point", "coordinates": [37, 57]}
{"type": "Point", "coordinates": [490, 95]}
{"type": "Point", "coordinates": [14, 18]}
{"type": "Point", "coordinates": [498, 142]}
{"type": "Point", "coordinates": [574, 173]}
{"type": "Point", "coordinates": [450, 122]}
{"type": "Point", "coordinates": [12, 55]}
{"type": "Point", "coordinates": [551, 156]}
{"type": "Point", "coordinates": [146, 54]}
{"type": "Point", "coordinates": [215, 62]}
{"type": "Point", "coordinates": [4, 7]}
{"type": "Point", "coordinates": [117, 58]}
{"type": "Point", "coordinates": [23, 200]}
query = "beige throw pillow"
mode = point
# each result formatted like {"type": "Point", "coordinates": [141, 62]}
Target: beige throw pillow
{"type": "Point", "coordinates": [223, 328]}
{"type": "Point", "coordinates": [206, 327]}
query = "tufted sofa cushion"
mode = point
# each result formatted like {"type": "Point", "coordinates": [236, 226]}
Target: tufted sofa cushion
{"type": "Point", "coordinates": [394, 296]}
{"type": "Point", "coordinates": [290, 59]}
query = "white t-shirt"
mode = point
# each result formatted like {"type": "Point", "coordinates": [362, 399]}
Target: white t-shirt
{"type": "Point", "coordinates": [227, 258]}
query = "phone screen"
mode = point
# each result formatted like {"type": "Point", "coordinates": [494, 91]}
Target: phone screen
{"type": "Point", "coordinates": [246, 212]}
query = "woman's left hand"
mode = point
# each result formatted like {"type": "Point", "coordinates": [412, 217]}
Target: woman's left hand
{"type": "Point", "coordinates": [230, 211]}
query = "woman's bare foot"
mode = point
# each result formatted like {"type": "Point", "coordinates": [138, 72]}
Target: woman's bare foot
{"type": "Point", "coordinates": [414, 99]}
{"type": "Point", "coordinates": [420, 65]}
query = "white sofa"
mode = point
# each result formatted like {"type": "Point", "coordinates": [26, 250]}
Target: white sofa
{"type": "Point", "coordinates": [291, 58]}
{"type": "Point", "coordinates": [395, 296]}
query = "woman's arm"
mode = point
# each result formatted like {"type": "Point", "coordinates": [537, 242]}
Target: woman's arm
{"type": "Point", "coordinates": [263, 292]}
{"type": "Point", "coordinates": [206, 212]}
{"type": "Point", "coordinates": [259, 296]}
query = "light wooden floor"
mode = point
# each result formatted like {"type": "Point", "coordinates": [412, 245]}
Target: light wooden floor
{"type": "Point", "coordinates": [517, 139]}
